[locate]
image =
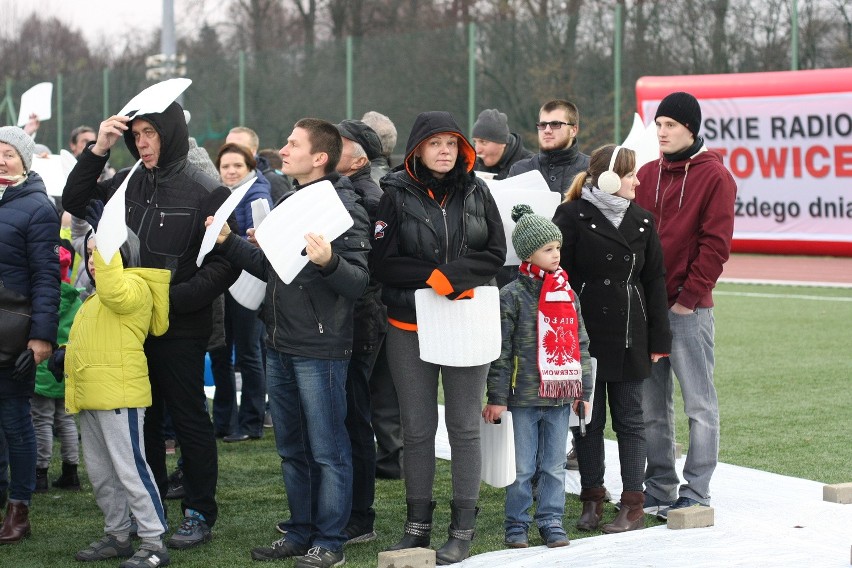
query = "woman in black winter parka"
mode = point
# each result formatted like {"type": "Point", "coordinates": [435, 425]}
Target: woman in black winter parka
{"type": "Point", "coordinates": [437, 226]}
{"type": "Point", "coordinates": [614, 261]}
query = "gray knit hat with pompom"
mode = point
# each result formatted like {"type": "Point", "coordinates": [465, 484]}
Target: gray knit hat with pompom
{"type": "Point", "coordinates": [531, 231]}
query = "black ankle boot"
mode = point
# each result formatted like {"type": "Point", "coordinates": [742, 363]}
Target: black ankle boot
{"type": "Point", "coordinates": [69, 478]}
{"type": "Point", "coordinates": [41, 480]}
{"type": "Point", "coordinates": [418, 526]}
{"type": "Point", "coordinates": [461, 534]}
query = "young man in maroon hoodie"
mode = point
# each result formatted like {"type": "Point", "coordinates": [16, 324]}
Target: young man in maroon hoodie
{"type": "Point", "coordinates": [692, 195]}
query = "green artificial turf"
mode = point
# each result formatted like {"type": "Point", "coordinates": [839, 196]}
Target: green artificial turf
{"type": "Point", "coordinates": [783, 379]}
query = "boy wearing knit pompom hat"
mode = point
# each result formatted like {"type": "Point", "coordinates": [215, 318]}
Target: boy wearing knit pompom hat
{"type": "Point", "coordinates": [543, 370]}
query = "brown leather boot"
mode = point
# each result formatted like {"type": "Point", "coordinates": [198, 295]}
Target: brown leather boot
{"type": "Point", "coordinates": [16, 526]}
{"type": "Point", "coordinates": [592, 499]}
{"type": "Point", "coordinates": [631, 516]}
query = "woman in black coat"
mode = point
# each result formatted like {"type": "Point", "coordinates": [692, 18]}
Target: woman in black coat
{"type": "Point", "coordinates": [614, 261]}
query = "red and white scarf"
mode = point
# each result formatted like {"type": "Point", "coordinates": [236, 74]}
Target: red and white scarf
{"type": "Point", "coordinates": [559, 362]}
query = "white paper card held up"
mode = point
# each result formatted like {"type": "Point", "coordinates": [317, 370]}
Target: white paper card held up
{"type": "Point", "coordinates": [155, 98]}
{"type": "Point", "coordinates": [112, 229]}
{"type": "Point", "coordinates": [313, 209]}
{"type": "Point", "coordinates": [460, 333]}
{"type": "Point", "coordinates": [68, 161]}
{"type": "Point", "coordinates": [220, 218]}
{"type": "Point", "coordinates": [52, 172]}
{"type": "Point", "coordinates": [643, 140]}
{"type": "Point", "coordinates": [543, 203]}
{"type": "Point", "coordinates": [248, 291]}
{"type": "Point", "coordinates": [531, 180]}
{"type": "Point", "coordinates": [573, 419]}
{"type": "Point", "coordinates": [259, 211]}
{"type": "Point", "coordinates": [497, 446]}
{"type": "Point", "coordinates": [36, 100]}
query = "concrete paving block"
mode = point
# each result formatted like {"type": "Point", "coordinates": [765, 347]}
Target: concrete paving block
{"type": "Point", "coordinates": [678, 451]}
{"type": "Point", "coordinates": [690, 518]}
{"type": "Point", "coordinates": [837, 493]}
{"type": "Point", "coordinates": [407, 558]}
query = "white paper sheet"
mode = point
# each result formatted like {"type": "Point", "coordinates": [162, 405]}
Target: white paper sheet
{"type": "Point", "coordinates": [460, 333]}
{"type": "Point", "coordinates": [155, 98]}
{"type": "Point", "coordinates": [52, 171]}
{"type": "Point", "coordinates": [497, 446]}
{"type": "Point", "coordinates": [248, 291]}
{"type": "Point", "coordinates": [532, 181]}
{"type": "Point", "coordinates": [643, 140]}
{"type": "Point", "coordinates": [543, 203]}
{"type": "Point", "coordinates": [112, 229]}
{"type": "Point", "coordinates": [313, 209]}
{"type": "Point", "coordinates": [220, 218]}
{"type": "Point", "coordinates": [36, 100]}
{"type": "Point", "coordinates": [488, 176]}
{"type": "Point", "coordinates": [259, 211]}
{"type": "Point", "coordinates": [68, 161]}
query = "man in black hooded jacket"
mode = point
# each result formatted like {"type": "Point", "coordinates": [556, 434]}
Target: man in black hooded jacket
{"type": "Point", "coordinates": [166, 203]}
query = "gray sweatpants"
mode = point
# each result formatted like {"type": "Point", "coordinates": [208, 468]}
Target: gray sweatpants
{"type": "Point", "coordinates": [416, 385]}
{"type": "Point", "coordinates": [114, 450]}
{"type": "Point", "coordinates": [48, 416]}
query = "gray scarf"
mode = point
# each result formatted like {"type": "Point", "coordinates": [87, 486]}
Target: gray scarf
{"type": "Point", "coordinates": [613, 207]}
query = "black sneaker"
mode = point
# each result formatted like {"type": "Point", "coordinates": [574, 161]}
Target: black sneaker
{"type": "Point", "coordinates": [147, 558]}
{"type": "Point", "coordinates": [356, 534]}
{"type": "Point", "coordinates": [319, 557]}
{"type": "Point", "coordinates": [278, 550]}
{"type": "Point", "coordinates": [176, 489]}
{"type": "Point", "coordinates": [192, 531]}
{"type": "Point", "coordinates": [681, 503]}
{"type": "Point", "coordinates": [107, 547]}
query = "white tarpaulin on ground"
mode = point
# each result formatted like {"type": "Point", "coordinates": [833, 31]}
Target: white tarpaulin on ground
{"type": "Point", "coordinates": [762, 519]}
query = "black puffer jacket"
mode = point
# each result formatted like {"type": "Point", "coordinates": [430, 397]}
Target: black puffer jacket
{"type": "Point", "coordinates": [456, 247]}
{"type": "Point", "coordinates": [558, 167]}
{"type": "Point", "coordinates": [312, 315]}
{"type": "Point", "coordinates": [514, 152]}
{"type": "Point", "coordinates": [166, 207]}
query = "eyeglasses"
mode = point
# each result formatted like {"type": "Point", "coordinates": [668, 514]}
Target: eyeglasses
{"type": "Point", "coordinates": [553, 124]}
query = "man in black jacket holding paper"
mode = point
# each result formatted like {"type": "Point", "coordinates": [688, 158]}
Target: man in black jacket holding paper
{"type": "Point", "coordinates": [166, 202]}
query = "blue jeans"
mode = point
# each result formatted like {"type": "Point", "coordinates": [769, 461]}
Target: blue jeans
{"type": "Point", "coordinates": [16, 427]}
{"type": "Point", "coordinates": [307, 399]}
{"type": "Point", "coordinates": [692, 360]}
{"type": "Point", "coordinates": [540, 434]}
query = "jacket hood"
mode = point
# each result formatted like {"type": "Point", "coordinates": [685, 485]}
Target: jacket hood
{"type": "Point", "coordinates": [174, 134]}
{"type": "Point", "coordinates": [158, 280]}
{"type": "Point", "coordinates": [703, 155]}
{"type": "Point", "coordinates": [430, 123]}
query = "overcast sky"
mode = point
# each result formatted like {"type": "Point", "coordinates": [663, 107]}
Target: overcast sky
{"type": "Point", "coordinates": [96, 19]}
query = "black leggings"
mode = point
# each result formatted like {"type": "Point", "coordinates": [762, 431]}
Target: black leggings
{"type": "Point", "coordinates": [625, 404]}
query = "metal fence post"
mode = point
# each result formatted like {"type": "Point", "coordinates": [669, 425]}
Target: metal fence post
{"type": "Point", "coordinates": [59, 115]}
{"type": "Point", "coordinates": [616, 56]}
{"type": "Point", "coordinates": [349, 74]}
{"type": "Point", "coordinates": [471, 75]}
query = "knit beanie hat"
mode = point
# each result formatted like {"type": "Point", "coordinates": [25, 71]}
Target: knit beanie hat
{"type": "Point", "coordinates": [492, 125]}
{"type": "Point", "coordinates": [21, 141]}
{"type": "Point", "coordinates": [682, 107]}
{"type": "Point", "coordinates": [531, 231]}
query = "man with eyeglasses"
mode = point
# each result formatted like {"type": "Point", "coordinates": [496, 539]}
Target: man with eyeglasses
{"type": "Point", "coordinates": [559, 158]}
{"type": "Point", "coordinates": [166, 203]}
